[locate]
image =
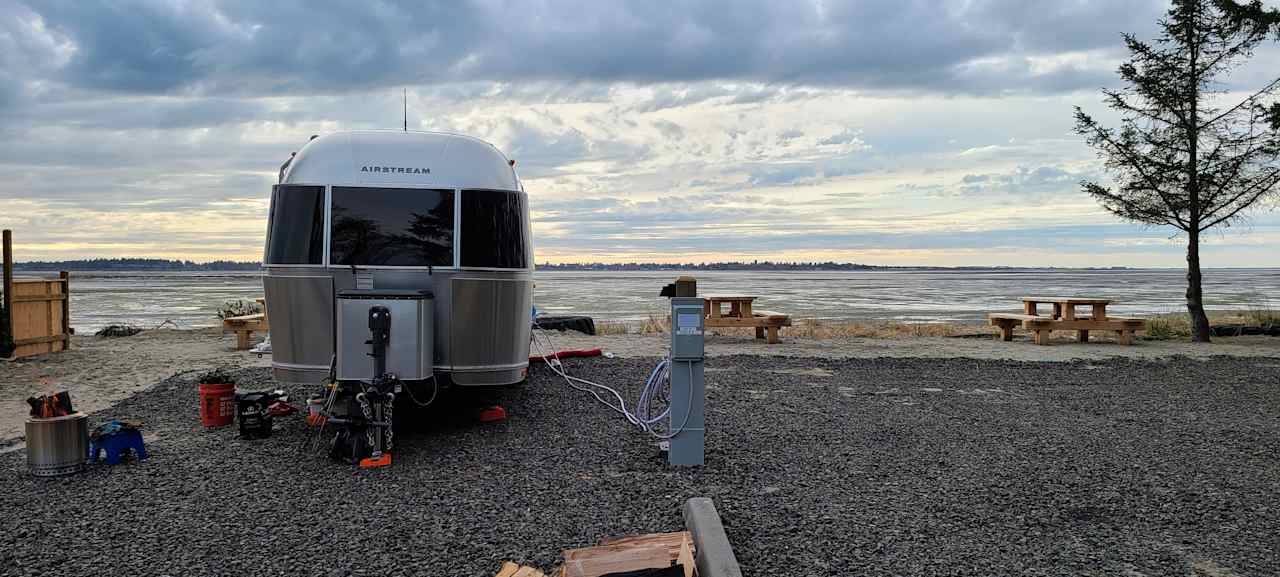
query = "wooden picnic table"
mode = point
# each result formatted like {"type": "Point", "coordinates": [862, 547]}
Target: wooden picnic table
{"type": "Point", "coordinates": [739, 306]}
{"type": "Point", "coordinates": [742, 314]}
{"type": "Point", "coordinates": [1065, 317]}
{"type": "Point", "coordinates": [1065, 307]}
{"type": "Point", "coordinates": [244, 326]}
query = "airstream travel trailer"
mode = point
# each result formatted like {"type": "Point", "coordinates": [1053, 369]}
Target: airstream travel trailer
{"type": "Point", "coordinates": [431, 228]}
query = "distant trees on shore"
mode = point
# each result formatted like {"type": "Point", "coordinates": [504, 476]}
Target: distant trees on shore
{"type": "Point", "coordinates": [133, 264]}
{"type": "Point", "coordinates": [779, 266]}
{"type": "Point", "coordinates": [731, 265]}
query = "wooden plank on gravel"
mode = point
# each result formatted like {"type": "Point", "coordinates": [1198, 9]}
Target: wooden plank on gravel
{"type": "Point", "coordinates": [508, 569]}
{"type": "Point", "coordinates": [635, 553]}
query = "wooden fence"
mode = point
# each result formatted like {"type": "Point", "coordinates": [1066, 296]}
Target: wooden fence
{"type": "Point", "coordinates": [39, 309]}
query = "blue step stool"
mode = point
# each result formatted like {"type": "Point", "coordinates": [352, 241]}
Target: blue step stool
{"type": "Point", "coordinates": [116, 445]}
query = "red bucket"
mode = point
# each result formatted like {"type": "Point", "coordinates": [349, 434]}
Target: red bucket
{"type": "Point", "coordinates": [217, 404]}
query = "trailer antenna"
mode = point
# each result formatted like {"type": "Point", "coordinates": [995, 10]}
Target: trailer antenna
{"type": "Point", "coordinates": [406, 109]}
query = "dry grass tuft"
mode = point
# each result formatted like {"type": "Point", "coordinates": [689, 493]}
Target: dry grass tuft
{"type": "Point", "coordinates": [1171, 326]}
{"type": "Point", "coordinates": [1263, 315]}
{"type": "Point", "coordinates": [817, 329]}
{"type": "Point", "coordinates": [611, 328]}
{"type": "Point", "coordinates": [655, 324]}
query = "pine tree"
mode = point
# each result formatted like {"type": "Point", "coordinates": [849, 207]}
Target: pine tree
{"type": "Point", "coordinates": [1181, 156]}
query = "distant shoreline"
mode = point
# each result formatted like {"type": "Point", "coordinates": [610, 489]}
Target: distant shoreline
{"type": "Point", "coordinates": [148, 264]}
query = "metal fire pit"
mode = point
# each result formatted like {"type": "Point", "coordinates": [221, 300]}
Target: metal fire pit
{"type": "Point", "coordinates": [58, 445]}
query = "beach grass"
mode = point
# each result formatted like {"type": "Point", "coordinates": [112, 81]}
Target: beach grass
{"type": "Point", "coordinates": [1161, 327]}
{"type": "Point", "coordinates": [811, 328]}
{"type": "Point", "coordinates": [1173, 326]}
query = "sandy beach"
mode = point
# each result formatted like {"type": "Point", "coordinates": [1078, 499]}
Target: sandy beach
{"type": "Point", "coordinates": [101, 371]}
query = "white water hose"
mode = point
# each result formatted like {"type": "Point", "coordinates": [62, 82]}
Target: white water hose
{"type": "Point", "coordinates": [659, 381]}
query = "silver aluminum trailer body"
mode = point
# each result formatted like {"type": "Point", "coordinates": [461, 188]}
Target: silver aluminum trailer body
{"type": "Point", "coordinates": [402, 210]}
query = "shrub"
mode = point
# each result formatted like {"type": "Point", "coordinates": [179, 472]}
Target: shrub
{"type": "Point", "coordinates": [217, 376]}
{"type": "Point", "coordinates": [238, 308]}
{"type": "Point", "coordinates": [1168, 327]}
{"type": "Point", "coordinates": [1263, 315]}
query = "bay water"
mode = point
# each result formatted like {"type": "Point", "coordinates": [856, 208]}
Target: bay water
{"type": "Point", "coordinates": [190, 299]}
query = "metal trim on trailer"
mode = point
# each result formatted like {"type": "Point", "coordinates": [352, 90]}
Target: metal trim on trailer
{"type": "Point", "coordinates": [485, 368]}
{"type": "Point", "coordinates": [297, 366]}
{"type": "Point", "coordinates": [390, 267]}
{"type": "Point", "coordinates": [328, 224]}
{"type": "Point", "coordinates": [457, 228]}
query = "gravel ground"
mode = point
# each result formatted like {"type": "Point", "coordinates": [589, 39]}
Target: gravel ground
{"type": "Point", "coordinates": [818, 467]}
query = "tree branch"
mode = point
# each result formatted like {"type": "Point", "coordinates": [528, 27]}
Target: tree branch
{"type": "Point", "coordinates": [1137, 166]}
{"type": "Point", "coordinates": [1264, 90]}
{"type": "Point", "coordinates": [1274, 179]}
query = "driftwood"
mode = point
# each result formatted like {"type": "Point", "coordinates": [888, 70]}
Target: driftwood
{"type": "Point", "coordinates": [110, 331]}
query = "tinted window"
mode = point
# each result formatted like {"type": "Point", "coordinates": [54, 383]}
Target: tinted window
{"type": "Point", "coordinates": [296, 227]}
{"type": "Point", "coordinates": [391, 226]}
{"type": "Point", "coordinates": [493, 233]}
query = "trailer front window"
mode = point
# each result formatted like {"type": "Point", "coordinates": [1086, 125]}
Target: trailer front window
{"type": "Point", "coordinates": [391, 227]}
{"type": "Point", "coordinates": [493, 231]}
{"type": "Point", "coordinates": [295, 233]}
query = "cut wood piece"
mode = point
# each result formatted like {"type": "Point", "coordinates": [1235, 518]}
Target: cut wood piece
{"type": "Point", "coordinates": [686, 555]}
{"type": "Point", "coordinates": [508, 569]}
{"type": "Point", "coordinates": [634, 553]}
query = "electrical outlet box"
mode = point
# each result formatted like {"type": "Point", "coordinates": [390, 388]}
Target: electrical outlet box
{"type": "Point", "coordinates": [687, 328]}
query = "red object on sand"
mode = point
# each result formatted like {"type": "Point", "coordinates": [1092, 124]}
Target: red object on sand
{"type": "Point", "coordinates": [217, 404]}
{"type": "Point", "coordinates": [568, 354]}
{"type": "Point", "coordinates": [493, 414]}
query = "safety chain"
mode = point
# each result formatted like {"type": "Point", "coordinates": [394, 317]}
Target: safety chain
{"type": "Point", "coordinates": [368, 417]}
{"type": "Point", "coordinates": [391, 402]}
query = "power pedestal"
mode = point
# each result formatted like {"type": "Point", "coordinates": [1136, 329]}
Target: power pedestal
{"type": "Point", "coordinates": [688, 390]}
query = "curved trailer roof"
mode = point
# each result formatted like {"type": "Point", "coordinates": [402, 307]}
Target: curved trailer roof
{"type": "Point", "coordinates": [401, 159]}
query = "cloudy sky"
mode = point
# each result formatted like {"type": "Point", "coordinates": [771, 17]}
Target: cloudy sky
{"type": "Point", "coordinates": [876, 131]}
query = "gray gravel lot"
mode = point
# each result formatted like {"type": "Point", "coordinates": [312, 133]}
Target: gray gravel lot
{"type": "Point", "coordinates": [818, 467]}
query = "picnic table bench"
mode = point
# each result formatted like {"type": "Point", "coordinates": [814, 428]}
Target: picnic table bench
{"type": "Point", "coordinates": [1065, 318]}
{"type": "Point", "coordinates": [741, 314]}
